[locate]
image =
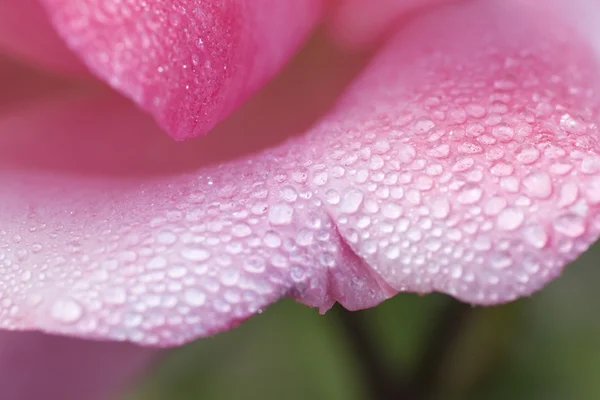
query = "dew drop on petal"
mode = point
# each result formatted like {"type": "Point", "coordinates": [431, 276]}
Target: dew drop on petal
{"type": "Point", "coordinates": [536, 235]}
{"type": "Point", "coordinates": [195, 254]}
{"type": "Point", "coordinates": [470, 194]}
{"type": "Point", "coordinates": [281, 214]}
{"type": "Point", "coordinates": [528, 155]}
{"type": "Point", "coordinates": [351, 201]}
{"type": "Point", "coordinates": [66, 310]}
{"type": "Point", "coordinates": [592, 190]}
{"type": "Point", "coordinates": [241, 230]}
{"type": "Point", "coordinates": [510, 219]}
{"type": "Point", "coordinates": [570, 224]}
{"type": "Point", "coordinates": [194, 297]}
{"type": "Point", "coordinates": [538, 185]}
{"type": "Point", "coordinates": [406, 153]}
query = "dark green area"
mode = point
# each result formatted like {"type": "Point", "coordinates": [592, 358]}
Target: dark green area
{"type": "Point", "coordinates": [545, 347]}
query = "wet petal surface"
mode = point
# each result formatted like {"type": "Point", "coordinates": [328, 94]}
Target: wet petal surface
{"type": "Point", "coordinates": [464, 161]}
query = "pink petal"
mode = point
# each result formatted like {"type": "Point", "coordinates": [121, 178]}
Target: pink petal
{"type": "Point", "coordinates": [37, 366]}
{"type": "Point", "coordinates": [189, 63]}
{"type": "Point", "coordinates": [357, 23]}
{"type": "Point", "coordinates": [464, 160]}
{"type": "Point", "coordinates": [26, 32]}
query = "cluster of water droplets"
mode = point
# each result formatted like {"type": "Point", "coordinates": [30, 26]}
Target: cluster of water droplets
{"type": "Point", "coordinates": [482, 183]}
{"type": "Point", "coordinates": [131, 267]}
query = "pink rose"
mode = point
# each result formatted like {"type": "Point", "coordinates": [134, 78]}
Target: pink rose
{"type": "Point", "coordinates": [457, 152]}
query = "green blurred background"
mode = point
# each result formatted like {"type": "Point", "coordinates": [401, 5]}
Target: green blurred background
{"type": "Point", "coordinates": [543, 347]}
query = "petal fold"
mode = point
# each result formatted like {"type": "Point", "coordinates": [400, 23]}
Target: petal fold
{"type": "Point", "coordinates": [189, 62]}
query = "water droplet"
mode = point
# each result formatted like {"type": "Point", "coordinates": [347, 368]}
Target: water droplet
{"type": "Point", "coordinates": [376, 163]}
{"type": "Point", "coordinates": [198, 254]}
{"type": "Point", "coordinates": [320, 178]}
{"type": "Point", "coordinates": [363, 222]}
{"type": "Point", "coordinates": [503, 133]}
{"type": "Point", "coordinates": [571, 225]}
{"type": "Point", "coordinates": [560, 169]}
{"type": "Point", "coordinates": [505, 84]}
{"type": "Point", "coordinates": [502, 169]}
{"type": "Point", "coordinates": [381, 147]}
{"type": "Point", "coordinates": [569, 193]}
{"type": "Point", "coordinates": [500, 260]}
{"type": "Point", "coordinates": [297, 274]}
{"type": "Point", "coordinates": [255, 265]}
{"type": "Point", "coordinates": [272, 240]}
{"type": "Point", "coordinates": [510, 219]}
{"type": "Point", "coordinates": [406, 153]}
{"type": "Point", "coordinates": [281, 214]}
{"type": "Point", "coordinates": [440, 208]}
{"type": "Point", "coordinates": [463, 164]}
{"type": "Point", "coordinates": [392, 252]}
{"type": "Point", "coordinates": [166, 237]}
{"type": "Point", "coordinates": [230, 276]}
{"type": "Point", "coordinates": [115, 295]}
{"type": "Point", "coordinates": [304, 237]}
{"type": "Point", "coordinates": [391, 211]}
{"type": "Point", "coordinates": [441, 151]}
{"type": "Point", "coordinates": [423, 125]}
{"type": "Point", "coordinates": [241, 230]}
{"type": "Point", "coordinates": [538, 184]}
{"type": "Point", "coordinates": [194, 297]}
{"type": "Point", "coordinates": [469, 148]}
{"type": "Point", "coordinates": [332, 197]}
{"type": "Point", "coordinates": [476, 110]}
{"type": "Point", "coordinates": [592, 190]}
{"type": "Point", "coordinates": [495, 154]}
{"type": "Point", "coordinates": [433, 244]}
{"type": "Point", "coordinates": [351, 201]}
{"type": "Point", "coordinates": [528, 155]}
{"type": "Point", "coordinates": [510, 184]}
{"type": "Point", "coordinates": [457, 116]}
{"type": "Point", "coordinates": [157, 262]}
{"type": "Point", "coordinates": [470, 194]}
{"type": "Point", "coordinates": [536, 235]}
{"type": "Point", "coordinates": [300, 176]}
{"type": "Point", "coordinates": [289, 194]}
{"type": "Point", "coordinates": [66, 310]}
{"type": "Point", "coordinates": [413, 197]}
{"type": "Point", "coordinates": [572, 124]}
{"type": "Point", "coordinates": [590, 165]}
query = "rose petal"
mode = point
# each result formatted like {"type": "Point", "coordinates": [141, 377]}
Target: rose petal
{"type": "Point", "coordinates": [37, 366]}
{"type": "Point", "coordinates": [584, 15]}
{"type": "Point", "coordinates": [26, 32]}
{"type": "Point", "coordinates": [479, 176]}
{"type": "Point", "coordinates": [189, 63]}
{"type": "Point", "coordinates": [464, 160]}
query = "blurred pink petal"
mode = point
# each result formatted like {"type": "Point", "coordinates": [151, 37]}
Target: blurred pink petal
{"type": "Point", "coordinates": [358, 23]}
{"type": "Point", "coordinates": [36, 366]}
{"type": "Point", "coordinates": [25, 31]}
{"type": "Point", "coordinates": [463, 160]}
{"type": "Point", "coordinates": [189, 63]}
